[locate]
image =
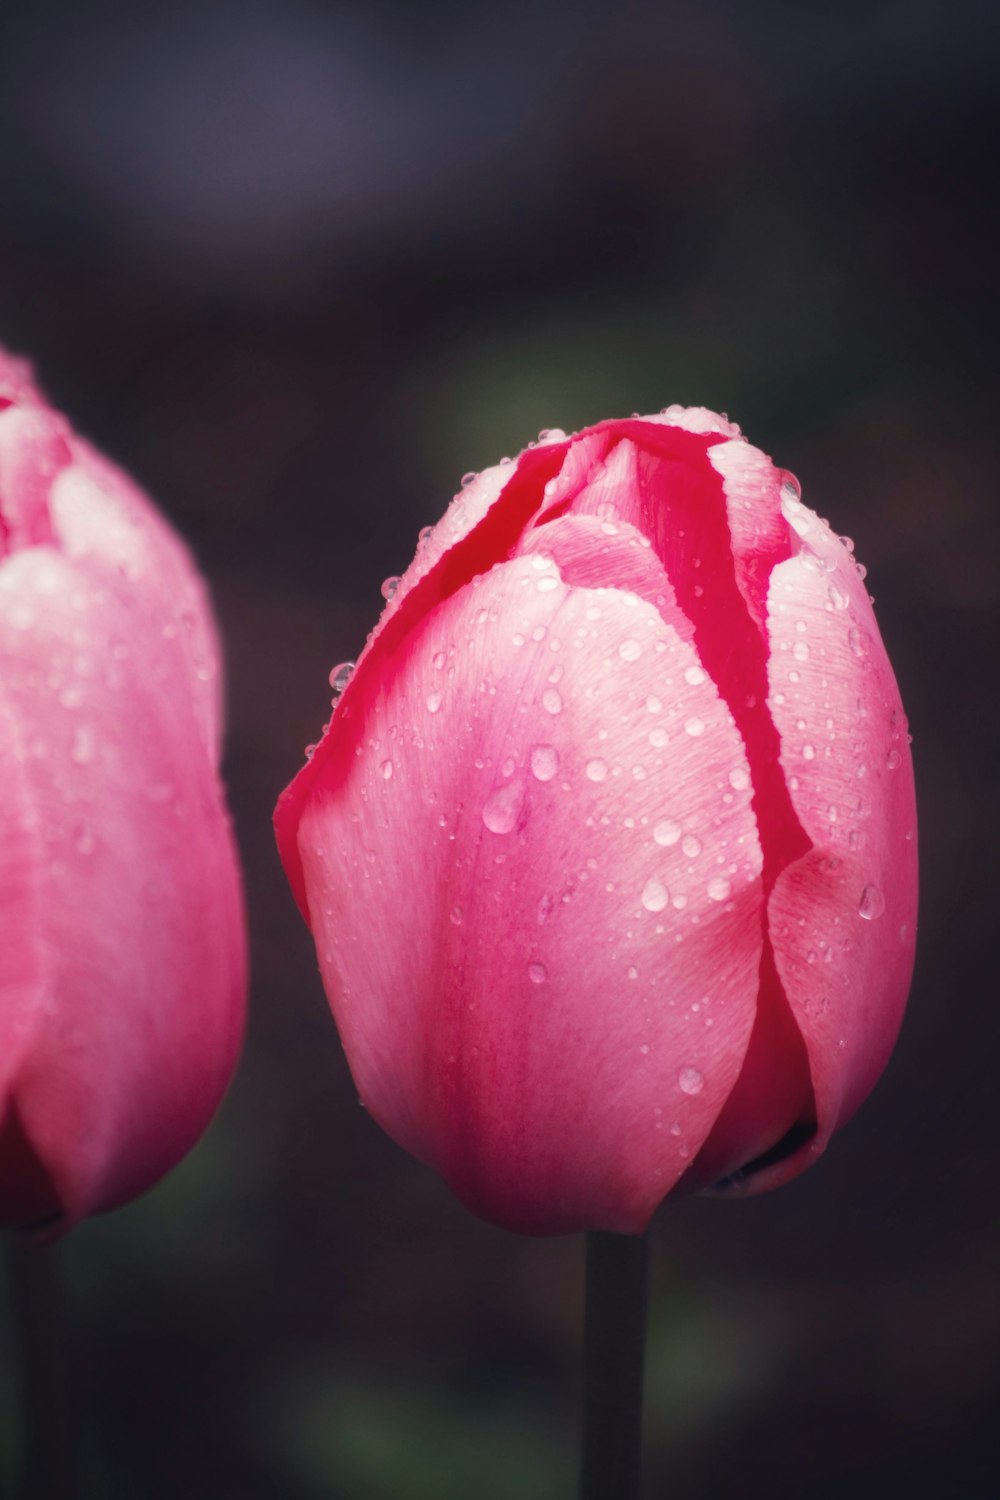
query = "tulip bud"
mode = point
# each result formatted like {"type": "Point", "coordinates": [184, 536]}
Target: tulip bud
{"type": "Point", "coordinates": [608, 849]}
{"type": "Point", "coordinates": [122, 951]}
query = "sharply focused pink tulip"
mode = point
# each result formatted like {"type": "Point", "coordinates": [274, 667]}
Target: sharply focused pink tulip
{"type": "Point", "coordinates": [609, 848]}
{"type": "Point", "coordinates": [122, 949]}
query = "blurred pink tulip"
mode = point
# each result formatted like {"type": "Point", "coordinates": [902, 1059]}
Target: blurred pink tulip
{"type": "Point", "coordinates": [122, 968]}
{"type": "Point", "coordinates": [609, 847]}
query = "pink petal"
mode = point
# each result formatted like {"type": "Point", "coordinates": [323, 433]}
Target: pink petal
{"type": "Point", "coordinates": [538, 765]}
{"type": "Point", "coordinates": [843, 917]}
{"type": "Point", "coordinates": [706, 509]}
{"type": "Point", "coordinates": [17, 386]}
{"type": "Point", "coordinates": [101, 518]}
{"type": "Point", "coordinates": [470, 542]}
{"type": "Point", "coordinates": [33, 448]}
{"type": "Point", "coordinates": [759, 533]}
{"type": "Point", "coordinates": [127, 972]}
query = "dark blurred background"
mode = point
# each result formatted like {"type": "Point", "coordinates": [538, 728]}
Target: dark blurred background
{"type": "Point", "coordinates": [297, 266]}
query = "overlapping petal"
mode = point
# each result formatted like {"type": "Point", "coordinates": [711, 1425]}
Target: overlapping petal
{"type": "Point", "coordinates": [124, 964]}
{"type": "Point", "coordinates": [545, 882]}
{"type": "Point", "coordinates": [122, 967]}
{"type": "Point", "coordinates": [844, 915]}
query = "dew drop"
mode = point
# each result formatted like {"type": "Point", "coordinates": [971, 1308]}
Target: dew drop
{"type": "Point", "coordinates": [340, 677]}
{"type": "Point", "coordinates": [691, 1081]}
{"type": "Point", "coordinates": [389, 586]}
{"type": "Point", "coordinates": [468, 477]}
{"type": "Point", "coordinates": [433, 702]}
{"type": "Point", "coordinates": [893, 760]}
{"type": "Point", "coordinates": [456, 916]}
{"type": "Point", "coordinates": [694, 727]}
{"type": "Point", "coordinates": [547, 584]}
{"type": "Point", "coordinates": [596, 770]}
{"type": "Point", "coordinates": [801, 651]}
{"type": "Point", "coordinates": [837, 597]}
{"type": "Point", "coordinates": [739, 778]}
{"type": "Point", "coordinates": [658, 738]}
{"type": "Point", "coordinates": [691, 846]}
{"type": "Point", "coordinates": [386, 768]}
{"type": "Point", "coordinates": [544, 762]}
{"type": "Point", "coordinates": [694, 675]}
{"type": "Point", "coordinates": [654, 895]}
{"type": "Point", "coordinates": [503, 807]}
{"type": "Point", "coordinates": [630, 650]}
{"type": "Point", "coordinates": [666, 833]}
{"type": "Point", "coordinates": [551, 701]}
{"type": "Point", "coordinates": [857, 640]}
{"type": "Point", "coordinates": [537, 973]}
{"type": "Point", "coordinates": [872, 903]}
{"type": "Point", "coordinates": [719, 888]}
{"type": "Point", "coordinates": [808, 752]}
{"type": "Point", "coordinates": [654, 704]}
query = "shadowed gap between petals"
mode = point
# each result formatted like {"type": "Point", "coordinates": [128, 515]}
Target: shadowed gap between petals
{"type": "Point", "coordinates": [684, 513]}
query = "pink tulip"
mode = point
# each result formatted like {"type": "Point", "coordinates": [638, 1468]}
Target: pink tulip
{"type": "Point", "coordinates": [608, 849]}
{"type": "Point", "coordinates": [122, 954]}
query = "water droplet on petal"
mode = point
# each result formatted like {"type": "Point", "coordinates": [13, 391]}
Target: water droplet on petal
{"type": "Point", "coordinates": [630, 650]}
{"type": "Point", "coordinates": [456, 916]}
{"type": "Point", "coordinates": [340, 677]}
{"type": "Point", "coordinates": [690, 1080]}
{"type": "Point", "coordinates": [433, 702]}
{"type": "Point", "coordinates": [739, 778]}
{"type": "Point", "coordinates": [596, 770]}
{"type": "Point", "coordinates": [872, 903]}
{"type": "Point", "coordinates": [694, 726]}
{"type": "Point", "coordinates": [719, 888]}
{"type": "Point", "coordinates": [386, 768]}
{"type": "Point", "coordinates": [691, 846]}
{"type": "Point", "coordinates": [694, 676]}
{"type": "Point", "coordinates": [654, 895]}
{"type": "Point", "coordinates": [666, 832]}
{"type": "Point", "coordinates": [389, 586]}
{"type": "Point", "coordinates": [551, 701]}
{"type": "Point", "coordinates": [544, 762]}
{"type": "Point", "coordinates": [537, 973]}
{"type": "Point", "coordinates": [502, 808]}
{"type": "Point", "coordinates": [893, 760]}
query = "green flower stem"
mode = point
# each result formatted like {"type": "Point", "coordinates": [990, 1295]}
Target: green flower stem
{"type": "Point", "coordinates": [613, 1360]}
{"type": "Point", "coordinates": [47, 1446]}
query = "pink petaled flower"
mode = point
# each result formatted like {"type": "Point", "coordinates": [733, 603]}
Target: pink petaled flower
{"type": "Point", "coordinates": [609, 847]}
{"type": "Point", "coordinates": [122, 968]}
